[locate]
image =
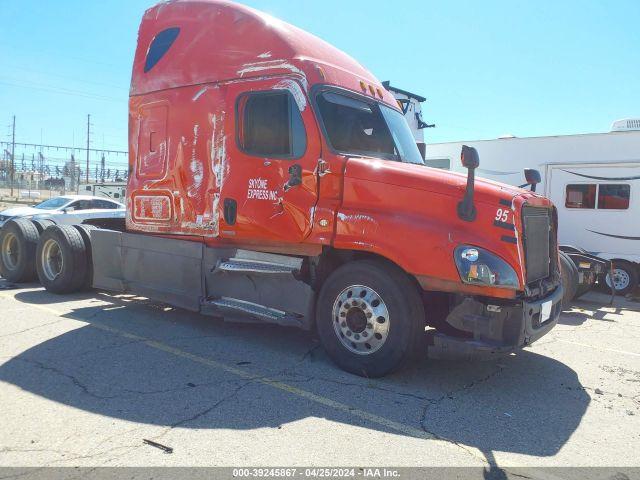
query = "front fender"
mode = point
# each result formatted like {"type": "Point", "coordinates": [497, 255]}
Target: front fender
{"type": "Point", "coordinates": [419, 230]}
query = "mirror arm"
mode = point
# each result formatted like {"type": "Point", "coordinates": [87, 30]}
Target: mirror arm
{"type": "Point", "coordinates": [466, 209]}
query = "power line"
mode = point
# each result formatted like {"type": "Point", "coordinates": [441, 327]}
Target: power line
{"type": "Point", "coordinates": [62, 147]}
{"type": "Point", "coordinates": [13, 152]}
{"type": "Point", "coordinates": [61, 91]}
{"type": "Point", "coordinates": [65, 77]}
{"type": "Point", "coordinates": [88, 135]}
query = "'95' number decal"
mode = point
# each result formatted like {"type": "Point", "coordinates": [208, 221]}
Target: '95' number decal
{"type": "Point", "coordinates": [502, 214]}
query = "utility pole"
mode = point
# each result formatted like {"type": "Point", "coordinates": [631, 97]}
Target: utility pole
{"type": "Point", "coordinates": [13, 151]}
{"type": "Point", "coordinates": [88, 125]}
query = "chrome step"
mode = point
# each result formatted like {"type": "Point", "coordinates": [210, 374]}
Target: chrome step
{"type": "Point", "coordinates": [253, 266]}
{"type": "Point", "coordinates": [255, 310]}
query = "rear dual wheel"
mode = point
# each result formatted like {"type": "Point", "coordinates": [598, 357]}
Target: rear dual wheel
{"type": "Point", "coordinates": [569, 274]}
{"type": "Point", "coordinates": [18, 242]}
{"type": "Point", "coordinates": [62, 260]}
{"type": "Point", "coordinates": [370, 318]}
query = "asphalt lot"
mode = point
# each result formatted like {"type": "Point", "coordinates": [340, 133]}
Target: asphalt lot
{"type": "Point", "coordinates": [84, 379]}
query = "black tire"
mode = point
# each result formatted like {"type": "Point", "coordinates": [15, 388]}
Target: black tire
{"type": "Point", "coordinates": [569, 274]}
{"type": "Point", "coordinates": [396, 293]}
{"type": "Point", "coordinates": [18, 242]}
{"type": "Point", "coordinates": [42, 225]}
{"type": "Point", "coordinates": [626, 268]}
{"type": "Point", "coordinates": [85, 233]}
{"type": "Point", "coordinates": [69, 273]}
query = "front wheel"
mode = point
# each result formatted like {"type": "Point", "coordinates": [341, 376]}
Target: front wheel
{"type": "Point", "coordinates": [370, 318]}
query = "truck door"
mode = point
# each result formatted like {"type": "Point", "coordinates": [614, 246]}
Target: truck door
{"type": "Point", "coordinates": [597, 206]}
{"type": "Point", "coordinates": [268, 186]}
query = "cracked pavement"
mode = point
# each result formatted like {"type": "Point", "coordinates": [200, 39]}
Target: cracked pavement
{"type": "Point", "coordinates": [85, 378]}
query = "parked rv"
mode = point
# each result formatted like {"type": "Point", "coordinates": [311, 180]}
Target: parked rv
{"type": "Point", "coordinates": [274, 179]}
{"type": "Point", "coordinates": [116, 191]}
{"type": "Point", "coordinates": [593, 179]}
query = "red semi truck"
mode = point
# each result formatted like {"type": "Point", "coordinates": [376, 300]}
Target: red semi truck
{"type": "Point", "coordinates": [274, 179]}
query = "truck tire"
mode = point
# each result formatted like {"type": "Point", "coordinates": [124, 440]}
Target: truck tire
{"type": "Point", "coordinates": [625, 277]}
{"type": "Point", "coordinates": [61, 259]}
{"type": "Point", "coordinates": [370, 318]}
{"type": "Point", "coordinates": [569, 274]}
{"type": "Point", "coordinates": [85, 233]}
{"type": "Point", "coordinates": [42, 225]}
{"type": "Point", "coordinates": [18, 242]}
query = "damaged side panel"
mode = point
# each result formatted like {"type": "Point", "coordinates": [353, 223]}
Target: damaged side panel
{"type": "Point", "coordinates": [238, 285]}
{"type": "Point", "coordinates": [159, 268]}
{"type": "Point", "coordinates": [257, 286]}
{"type": "Point", "coordinates": [180, 161]}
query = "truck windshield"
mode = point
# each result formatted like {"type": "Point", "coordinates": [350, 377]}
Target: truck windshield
{"type": "Point", "coordinates": [364, 128]}
{"type": "Point", "coordinates": [53, 203]}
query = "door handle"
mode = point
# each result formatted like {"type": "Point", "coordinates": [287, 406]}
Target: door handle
{"type": "Point", "coordinates": [323, 168]}
{"type": "Point", "coordinates": [295, 177]}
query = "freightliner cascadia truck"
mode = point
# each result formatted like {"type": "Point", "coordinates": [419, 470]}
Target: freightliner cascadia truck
{"type": "Point", "coordinates": [272, 178]}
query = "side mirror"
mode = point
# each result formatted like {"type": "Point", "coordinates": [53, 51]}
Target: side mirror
{"type": "Point", "coordinates": [68, 209]}
{"type": "Point", "coordinates": [470, 160]}
{"type": "Point", "coordinates": [533, 178]}
{"type": "Point", "coordinates": [469, 157]}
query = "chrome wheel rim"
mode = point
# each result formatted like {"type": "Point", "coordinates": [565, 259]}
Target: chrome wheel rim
{"type": "Point", "coordinates": [10, 251]}
{"type": "Point", "coordinates": [52, 261]}
{"type": "Point", "coordinates": [361, 320]}
{"type": "Point", "coordinates": [621, 279]}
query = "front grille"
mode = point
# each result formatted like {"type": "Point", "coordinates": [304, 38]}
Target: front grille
{"type": "Point", "coordinates": [538, 241]}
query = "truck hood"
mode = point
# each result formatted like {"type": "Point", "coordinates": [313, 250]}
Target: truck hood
{"type": "Point", "coordinates": [429, 179]}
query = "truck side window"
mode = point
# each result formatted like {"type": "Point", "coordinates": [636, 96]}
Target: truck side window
{"type": "Point", "coordinates": [581, 195]}
{"type": "Point", "coordinates": [159, 46]}
{"type": "Point", "coordinates": [613, 196]}
{"type": "Point", "coordinates": [355, 126]}
{"type": "Point", "coordinates": [271, 125]}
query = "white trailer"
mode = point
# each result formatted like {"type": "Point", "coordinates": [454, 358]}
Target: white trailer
{"type": "Point", "coordinates": [116, 191]}
{"type": "Point", "coordinates": [593, 179]}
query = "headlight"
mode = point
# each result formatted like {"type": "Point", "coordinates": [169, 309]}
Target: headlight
{"type": "Point", "coordinates": [477, 266]}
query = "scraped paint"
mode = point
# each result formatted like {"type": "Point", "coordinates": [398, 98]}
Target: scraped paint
{"type": "Point", "coordinates": [220, 167]}
{"type": "Point", "coordinates": [296, 91]}
{"type": "Point", "coordinates": [271, 65]}
{"type": "Point", "coordinates": [199, 94]}
{"type": "Point", "coordinates": [196, 167]}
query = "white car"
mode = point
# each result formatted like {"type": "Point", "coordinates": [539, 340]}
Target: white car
{"type": "Point", "coordinates": [67, 210]}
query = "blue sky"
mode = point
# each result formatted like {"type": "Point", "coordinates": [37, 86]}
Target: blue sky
{"type": "Point", "coordinates": [487, 68]}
